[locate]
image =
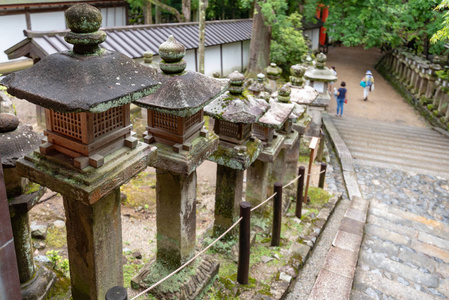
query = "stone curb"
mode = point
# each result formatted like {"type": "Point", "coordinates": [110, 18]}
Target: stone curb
{"type": "Point", "coordinates": [310, 239]}
{"type": "Point", "coordinates": [337, 274]}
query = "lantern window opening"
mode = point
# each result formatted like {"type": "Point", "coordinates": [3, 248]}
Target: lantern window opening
{"type": "Point", "coordinates": [66, 123]}
{"type": "Point", "coordinates": [164, 121]}
{"type": "Point", "coordinates": [193, 119]}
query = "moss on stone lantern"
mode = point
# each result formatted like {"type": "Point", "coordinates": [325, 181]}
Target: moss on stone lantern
{"type": "Point", "coordinates": [86, 92]}
{"type": "Point", "coordinates": [175, 126]}
{"type": "Point", "coordinates": [259, 85]}
{"type": "Point", "coordinates": [16, 141]}
{"type": "Point", "coordinates": [90, 151]}
{"type": "Point", "coordinates": [234, 113]}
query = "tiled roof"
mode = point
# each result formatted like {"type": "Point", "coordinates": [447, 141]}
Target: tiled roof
{"type": "Point", "coordinates": [133, 41]}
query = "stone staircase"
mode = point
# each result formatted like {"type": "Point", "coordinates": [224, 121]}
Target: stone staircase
{"type": "Point", "coordinates": [395, 146]}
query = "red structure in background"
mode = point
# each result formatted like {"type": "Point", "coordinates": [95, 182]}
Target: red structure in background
{"type": "Point", "coordinates": [322, 12]}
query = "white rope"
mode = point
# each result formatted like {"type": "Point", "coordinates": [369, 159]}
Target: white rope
{"type": "Point", "coordinates": [192, 259]}
{"type": "Point", "coordinates": [264, 202]}
{"type": "Point", "coordinates": [299, 176]}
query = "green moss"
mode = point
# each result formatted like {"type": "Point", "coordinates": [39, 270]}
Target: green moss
{"type": "Point", "coordinates": [141, 190]}
{"type": "Point", "coordinates": [56, 237]}
{"type": "Point", "coordinates": [32, 188]}
{"type": "Point", "coordinates": [172, 285]}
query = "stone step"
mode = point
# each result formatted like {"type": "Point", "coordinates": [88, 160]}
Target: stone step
{"type": "Point", "coordinates": [387, 140]}
{"type": "Point", "coordinates": [414, 157]}
{"type": "Point", "coordinates": [381, 125]}
{"type": "Point", "coordinates": [398, 161]}
{"type": "Point", "coordinates": [401, 167]}
{"type": "Point", "coordinates": [373, 135]}
{"type": "Point", "coordinates": [398, 147]}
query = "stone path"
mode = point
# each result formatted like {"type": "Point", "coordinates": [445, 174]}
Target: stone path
{"type": "Point", "coordinates": [405, 250]}
{"type": "Point", "coordinates": [392, 158]}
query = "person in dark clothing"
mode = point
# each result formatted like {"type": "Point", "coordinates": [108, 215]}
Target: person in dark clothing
{"type": "Point", "coordinates": [342, 94]}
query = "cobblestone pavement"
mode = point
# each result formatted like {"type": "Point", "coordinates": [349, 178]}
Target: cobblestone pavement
{"type": "Point", "coordinates": [405, 250]}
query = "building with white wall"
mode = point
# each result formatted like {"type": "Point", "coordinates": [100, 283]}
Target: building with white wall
{"type": "Point", "coordinates": [46, 15]}
{"type": "Point", "coordinates": [227, 43]}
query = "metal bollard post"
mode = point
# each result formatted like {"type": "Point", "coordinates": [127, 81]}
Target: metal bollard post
{"type": "Point", "coordinates": [299, 191]}
{"type": "Point", "coordinates": [244, 243]}
{"type": "Point", "coordinates": [277, 215]}
{"type": "Point", "coordinates": [322, 175]}
{"type": "Point", "coordinates": [117, 293]}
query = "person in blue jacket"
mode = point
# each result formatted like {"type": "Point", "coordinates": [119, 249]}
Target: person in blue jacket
{"type": "Point", "coordinates": [342, 94]}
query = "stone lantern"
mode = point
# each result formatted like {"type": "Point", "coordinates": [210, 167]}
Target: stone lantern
{"type": "Point", "coordinates": [302, 96]}
{"type": "Point", "coordinates": [148, 62]}
{"type": "Point", "coordinates": [319, 78]}
{"type": "Point", "coordinates": [17, 140]}
{"type": "Point", "coordinates": [273, 74]}
{"type": "Point", "coordinates": [431, 78]}
{"type": "Point", "coordinates": [259, 182]}
{"type": "Point", "coordinates": [175, 126]}
{"type": "Point", "coordinates": [234, 115]}
{"type": "Point", "coordinates": [259, 85]}
{"type": "Point", "coordinates": [89, 151]}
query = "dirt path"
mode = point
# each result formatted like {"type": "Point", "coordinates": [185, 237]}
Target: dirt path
{"type": "Point", "coordinates": [384, 103]}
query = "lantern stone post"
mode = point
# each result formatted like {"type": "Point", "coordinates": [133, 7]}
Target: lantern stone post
{"type": "Point", "coordinates": [16, 142]}
{"type": "Point", "coordinates": [234, 115]}
{"type": "Point", "coordinates": [319, 78]}
{"type": "Point", "coordinates": [259, 179]}
{"type": "Point", "coordinates": [176, 127]}
{"type": "Point", "coordinates": [89, 150]}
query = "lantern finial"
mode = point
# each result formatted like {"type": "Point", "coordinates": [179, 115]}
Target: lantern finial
{"type": "Point", "coordinates": [172, 53]}
{"type": "Point", "coordinates": [84, 21]}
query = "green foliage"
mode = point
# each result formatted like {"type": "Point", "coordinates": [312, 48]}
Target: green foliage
{"type": "Point", "coordinates": [59, 264]}
{"type": "Point", "coordinates": [443, 33]}
{"type": "Point", "coordinates": [288, 45]}
{"type": "Point", "coordinates": [382, 23]}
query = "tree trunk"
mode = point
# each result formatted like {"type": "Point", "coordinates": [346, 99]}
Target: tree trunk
{"type": "Point", "coordinates": [170, 9]}
{"type": "Point", "coordinates": [202, 29]}
{"type": "Point", "coordinates": [158, 16]}
{"type": "Point", "coordinates": [259, 52]}
{"type": "Point", "coordinates": [148, 13]}
{"type": "Point", "coordinates": [186, 9]}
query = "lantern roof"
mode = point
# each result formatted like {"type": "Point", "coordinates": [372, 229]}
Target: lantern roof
{"type": "Point", "coordinates": [87, 78]}
{"type": "Point", "coordinates": [320, 72]}
{"type": "Point", "coordinates": [277, 115]}
{"type": "Point", "coordinates": [183, 93]}
{"type": "Point", "coordinates": [234, 105]}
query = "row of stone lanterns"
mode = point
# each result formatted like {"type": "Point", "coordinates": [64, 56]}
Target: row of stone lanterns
{"type": "Point", "coordinates": [419, 77]}
{"type": "Point", "coordinates": [89, 149]}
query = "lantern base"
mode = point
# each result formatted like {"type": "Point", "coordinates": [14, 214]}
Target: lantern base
{"type": "Point", "coordinates": [40, 285]}
{"type": "Point", "coordinates": [184, 159]}
{"type": "Point", "coordinates": [84, 155]}
{"type": "Point", "coordinates": [269, 153]}
{"type": "Point", "coordinates": [89, 184]}
{"type": "Point", "coordinates": [198, 276]}
{"type": "Point", "coordinates": [238, 157]}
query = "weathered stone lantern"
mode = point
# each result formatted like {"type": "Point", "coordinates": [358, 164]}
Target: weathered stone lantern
{"type": "Point", "coordinates": [431, 77]}
{"type": "Point", "coordinates": [175, 126]}
{"type": "Point", "coordinates": [319, 78]}
{"type": "Point", "coordinates": [234, 115]}
{"type": "Point", "coordinates": [273, 74]}
{"type": "Point", "coordinates": [89, 150]}
{"type": "Point", "coordinates": [15, 142]}
{"type": "Point", "coordinates": [259, 181]}
{"type": "Point", "coordinates": [259, 85]}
